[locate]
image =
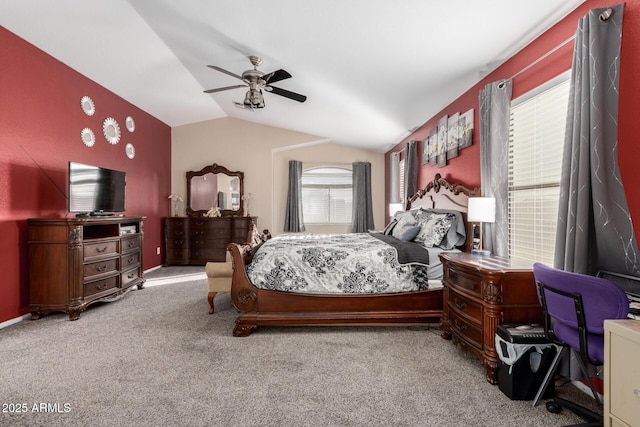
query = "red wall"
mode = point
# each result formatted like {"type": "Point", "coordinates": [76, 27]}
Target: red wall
{"type": "Point", "coordinates": [40, 125]}
{"type": "Point", "coordinates": [466, 167]}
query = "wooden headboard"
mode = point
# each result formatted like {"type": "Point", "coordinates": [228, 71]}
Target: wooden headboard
{"type": "Point", "coordinates": [441, 194]}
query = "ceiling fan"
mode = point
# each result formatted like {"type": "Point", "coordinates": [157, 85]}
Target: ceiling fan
{"type": "Point", "coordinates": [257, 81]}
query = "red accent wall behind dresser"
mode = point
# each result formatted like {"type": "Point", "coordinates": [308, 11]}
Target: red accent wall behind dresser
{"type": "Point", "coordinates": [40, 125]}
{"type": "Point", "coordinates": [466, 167]}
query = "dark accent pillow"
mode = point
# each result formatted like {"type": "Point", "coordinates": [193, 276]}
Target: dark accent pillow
{"type": "Point", "coordinates": [407, 233]}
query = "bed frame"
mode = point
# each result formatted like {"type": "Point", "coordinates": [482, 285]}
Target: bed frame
{"type": "Point", "coordinates": [260, 307]}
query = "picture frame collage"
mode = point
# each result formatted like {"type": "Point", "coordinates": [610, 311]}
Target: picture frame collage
{"type": "Point", "coordinates": [452, 134]}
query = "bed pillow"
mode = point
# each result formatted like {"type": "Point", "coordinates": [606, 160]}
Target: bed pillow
{"type": "Point", "coordinates": [457, 234]}
{"type": "Point", "coordinates": [433, 227]}
{"type": "Point", "coordinates": [389, 228]}
{"type": "Point", "coordinates": [406, 219]}
{"type": "Point", "coordinates": [407, 233]}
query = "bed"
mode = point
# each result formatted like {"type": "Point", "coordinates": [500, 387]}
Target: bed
{"type": "Point", "coordinates": [362, 297]}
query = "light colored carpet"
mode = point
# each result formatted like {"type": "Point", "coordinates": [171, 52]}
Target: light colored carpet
{"type": "Point", "coordinates": [156, 358]}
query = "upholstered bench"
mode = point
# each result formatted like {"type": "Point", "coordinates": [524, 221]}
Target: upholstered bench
{"type": "Point", "coordinates": [219, 275]}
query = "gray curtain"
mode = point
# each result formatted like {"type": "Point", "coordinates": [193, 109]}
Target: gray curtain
{"type": "Point", "coordinates": [410, 170]}
{"type": "Point", "coordinates": [362, 207]}
{"type": "Point", "coordinates": [594, 226]}
{"type": "Point", "coordinates": [495, 111]}
{"type": "Point", "coordinates": [394, 177]}
{"type": "Point", "coordinates": [293, 220]}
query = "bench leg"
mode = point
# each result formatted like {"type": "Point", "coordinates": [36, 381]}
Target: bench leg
{"type": "Point", "coordinates": [210, 297]}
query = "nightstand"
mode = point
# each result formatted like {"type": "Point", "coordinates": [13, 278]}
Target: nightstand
{"type": "Point", "coordinates": [481, 292]}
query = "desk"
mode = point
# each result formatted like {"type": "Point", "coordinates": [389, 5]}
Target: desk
{"type": "Point", "coordinates": [481, 292]}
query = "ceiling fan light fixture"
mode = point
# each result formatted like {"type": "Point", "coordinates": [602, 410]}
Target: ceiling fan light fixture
{"type": "Point", "coordinates": [254, 99]}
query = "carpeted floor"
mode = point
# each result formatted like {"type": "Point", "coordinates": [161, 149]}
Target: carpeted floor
{"type": "Point", "coordinates": [156, 358]}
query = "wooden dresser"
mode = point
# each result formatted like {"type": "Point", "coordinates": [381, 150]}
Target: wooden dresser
{"type": "Point", "coordinates": [74, 262]}
{"type": "Point", "coordinates": [481, 292]}
{"type": "Point", "coordinates": [621, 373]}
{"type": "Point", "coordinates": [198, 240]}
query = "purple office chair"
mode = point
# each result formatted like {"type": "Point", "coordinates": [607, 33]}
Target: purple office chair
{"type": "Point", "coordinates": [575, 307]}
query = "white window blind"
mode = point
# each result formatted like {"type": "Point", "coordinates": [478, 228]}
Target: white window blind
{"type": "Point", "coordinates": [327, 196]}
{"type": "Point", "coordinates": [536, 142]}
{"type": "Point", "coordinates": [401, 171]}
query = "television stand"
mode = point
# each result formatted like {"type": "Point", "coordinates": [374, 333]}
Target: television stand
{"type": "Point", "coordinates": [75, 262]}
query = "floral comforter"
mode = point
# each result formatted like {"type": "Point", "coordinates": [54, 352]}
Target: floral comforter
{"type": "Point", "coordinates": [334, 263]}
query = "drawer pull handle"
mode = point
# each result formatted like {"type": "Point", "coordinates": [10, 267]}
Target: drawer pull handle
{"type": "Point", "coordinates": [460, 305]}
{"type": "Point", "coordinates": [459, 326]}
{"type": "Point", "coordinates": [131, 260]}
{"type": "Point", "coordinates": [101, 251]}
{"type": "Point", "coordinates": [100, 269]}
{"type": "Point", "coordinates": [131, 243]}
{"type": "Point", "coordinates": [131, 275]}
{"type": "Point", "coordinates": [101, 287]}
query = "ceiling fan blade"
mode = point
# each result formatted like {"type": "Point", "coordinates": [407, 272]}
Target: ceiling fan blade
{"type": "Point", "coordinates": [288, 94]}
{"type": "Point", "coordinates": [220, 89]}
{"type": "Point", "coordinates": [222, 70]}
{"type": "Point", "coordinates": [276, 76]}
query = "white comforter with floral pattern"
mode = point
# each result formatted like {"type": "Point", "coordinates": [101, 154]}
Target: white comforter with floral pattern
{"type": "Point", "coordinates": [333, 263]}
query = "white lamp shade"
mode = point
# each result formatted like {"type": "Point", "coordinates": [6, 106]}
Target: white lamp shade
{"type": "Point", "coordinates": [481, 209]}
{"type": "Point", "coordinates": [395, 207]}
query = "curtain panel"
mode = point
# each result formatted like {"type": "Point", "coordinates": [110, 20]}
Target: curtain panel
{"type": "Point", "coordinates": [410, 171]}
{"type": "Point", "coordinates": [495, 110]}
{"type": "Point", "coordinates": [293, 221]}
{"type": "Point", "coordinates": [362, 206]}
{"type": "Point", "coordinates": [394, 177]}
{"type": "Point", "coordinates": [594, 231]}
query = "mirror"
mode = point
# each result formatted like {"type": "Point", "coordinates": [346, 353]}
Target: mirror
{"type": "Point", "coordinates": [214, 186]}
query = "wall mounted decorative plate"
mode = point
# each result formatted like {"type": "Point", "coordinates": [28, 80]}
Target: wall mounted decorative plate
{"type": "Point", "coordinates": [88, 138]}
{"type": "Point", "coordinates": [87, 106]}
{"type": "Point", "coordinates": [131, 125]}
{"type": "Point", "coordinates": [111, 130]}
{"type": "Point", "coordinates": [130, 150]}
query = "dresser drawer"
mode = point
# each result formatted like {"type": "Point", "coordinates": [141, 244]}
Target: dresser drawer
{"type": "Point", "coordinates": [209, 254]}
{"type": "Point", "coordinates": [100, 268]}
{"type": "Point", "coordinates": [98, 286]}
{"type": "Point", "coordinates": [130, 244]}
{"type": "Point", "coordinates": [461, 279]}
{"type": "Point", "coordinates": [465, 307]}
{"type": "Point", "coordinates": [100, 249]}
{"type": "Point", "coordinates": [213, 233]}
{"type": "Point", "coordinates": [128, 276]}
{"type": "Point", "coordinates": [465, 329]}
{"type": "Point", "coordinates": [130, 260]}
{"type": "Point", "coordinates": [211, 224]}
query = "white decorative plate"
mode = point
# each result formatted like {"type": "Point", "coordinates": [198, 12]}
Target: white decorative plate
{"type": "Point", "coordinates": [87, 106]}
{"type": "Point", "coordinates": [130, 150]}
{"type": "Point", "coordinates": [88, 138]}
{"type": "Point", "coordinates": [111, 130]}
{"type": "Point", "coordinates": [131, 125]}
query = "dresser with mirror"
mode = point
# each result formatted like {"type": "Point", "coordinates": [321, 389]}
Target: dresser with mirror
{"type": "Point", "coordinates": [196, 238]}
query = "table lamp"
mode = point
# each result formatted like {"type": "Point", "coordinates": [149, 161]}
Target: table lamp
{"type": "Point", "coordinates": [481, 209]}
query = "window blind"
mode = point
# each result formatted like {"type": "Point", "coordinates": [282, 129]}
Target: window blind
{"type": "Point", "coordinates": [327, 196]}
{"type": "Point", "coordinates": [536, 142]}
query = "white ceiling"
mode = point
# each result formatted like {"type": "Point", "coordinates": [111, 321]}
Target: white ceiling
{"type": "Point", "coordinates": [371, 69]}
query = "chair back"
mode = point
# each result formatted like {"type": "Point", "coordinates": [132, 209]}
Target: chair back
{"type": "Point", "coordinates": [576, 306]}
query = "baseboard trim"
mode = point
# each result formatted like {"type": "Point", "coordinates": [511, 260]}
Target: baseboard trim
{"type": "Point", "coordinates": [10, 322]}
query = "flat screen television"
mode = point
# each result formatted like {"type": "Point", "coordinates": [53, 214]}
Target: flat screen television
{"type": "Point", "coordinates": [95, 191]}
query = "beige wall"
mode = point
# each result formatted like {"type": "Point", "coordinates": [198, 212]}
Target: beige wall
{"type": "Point", "coordinates": [262, 153]}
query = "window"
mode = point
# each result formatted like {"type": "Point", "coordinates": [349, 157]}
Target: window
{"type": "Point", "coordinates": [536, 142]}
{"type": "Point", "coordinates": [327, 196]}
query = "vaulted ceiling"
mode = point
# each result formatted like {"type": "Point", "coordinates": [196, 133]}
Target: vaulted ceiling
{"type": "Point", "coordinates": [371, 69]}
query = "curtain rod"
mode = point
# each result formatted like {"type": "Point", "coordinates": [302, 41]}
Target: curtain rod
{"type": "Point", "coordinates": [604, 16]}
{"type": "Point", "coordinates": [542, 58]}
